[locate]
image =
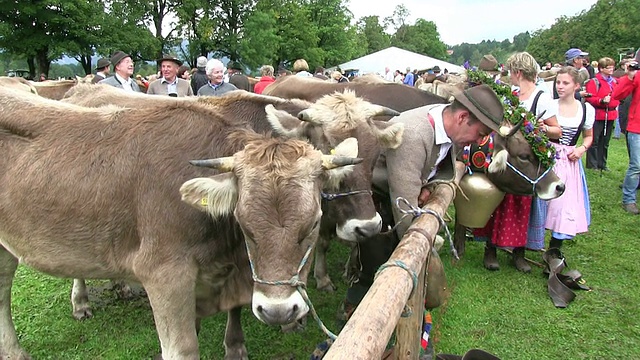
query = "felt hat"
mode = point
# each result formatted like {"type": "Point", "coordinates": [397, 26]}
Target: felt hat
{"type": "Point", "coordinates": [436, 69]}
{"type": "Point", "coordinates": [234, 65]}
{"type": "Point", "coordinates": [484, 104]}
{"type": "Point", "coordinates": [102, 63]}
{"type": "Point", "coordinates": [118, 56]}
{"type": "Point", "coordinates": [488, 63]}
{"type": "Point", "coordinates": [170, 58]}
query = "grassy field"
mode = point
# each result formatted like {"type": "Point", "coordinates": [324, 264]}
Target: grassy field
{"type": "Point", "coordinates": [506, 312]}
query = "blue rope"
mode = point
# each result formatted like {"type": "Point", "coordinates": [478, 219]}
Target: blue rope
{"type": "Point", "coordinates": [416, 211]}
{"type": "Point", "coordinates": [295, 282]}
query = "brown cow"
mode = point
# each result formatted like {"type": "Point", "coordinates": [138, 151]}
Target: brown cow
{"type": "Point", "coordinates": [328, 121]}
{"type": "Point", "coordinates": [54, 89]}
{"type": "Point", "coordinates": [395, 96]}
{"type": "Point", "coordinates": [109, 182]}
{"type": "Point", "coordinates": [18, 83]}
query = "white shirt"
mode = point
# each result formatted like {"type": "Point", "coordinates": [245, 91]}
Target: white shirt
{"type": "Point", "coordinates": [172, 87]}
{"type": "Point", "coordinates": [545, 104]}
{"type": "Point", "coordinates": [389, 76]}
{"type": "Point", "coordinates": [126, 84]}
{"type": "Point", "coordinates": [570, 125]}
{"type": "Point", "coordinates": [441, 136]}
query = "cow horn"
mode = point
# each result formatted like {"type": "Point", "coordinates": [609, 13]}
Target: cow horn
{"type": "Point", "coordinates": [224, 164]}
{"type": "Point", "coordinates": [332, 161]}
{"type": "Point", "coordinates": [383, 110]}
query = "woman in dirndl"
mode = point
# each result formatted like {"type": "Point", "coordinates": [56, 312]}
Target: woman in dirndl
{"type": "Point", "coordinates": [570, 214]}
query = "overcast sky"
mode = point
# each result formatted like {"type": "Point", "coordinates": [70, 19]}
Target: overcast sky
{"type": "Point", "coordinates": [472, 21]}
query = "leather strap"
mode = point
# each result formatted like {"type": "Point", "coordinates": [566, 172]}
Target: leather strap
{"type": "Point", "coordinates": [560, 285]}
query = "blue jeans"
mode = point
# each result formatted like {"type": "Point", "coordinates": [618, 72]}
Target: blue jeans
{"type": "Point", "coordinates": [617, 131]}
{"type": "Point", "coordinates": [632, 177]}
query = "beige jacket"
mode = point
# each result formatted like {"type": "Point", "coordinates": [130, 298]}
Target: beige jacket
{"type": "Point", "coordinates": [157, 87]}
{"type": "Point", "coordinates": [404, 171]}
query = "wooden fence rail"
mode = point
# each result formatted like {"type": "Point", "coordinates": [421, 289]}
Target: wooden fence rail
{"type": "Point", "coordinates": [370, 327]}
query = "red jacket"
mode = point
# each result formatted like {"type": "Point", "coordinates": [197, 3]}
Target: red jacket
{"type": "Point", "coordinates": [625, 88]}
{"type": "Point", "coordinates": [258, 88]}
{"type": "Point", "coordinates": [598, 94]}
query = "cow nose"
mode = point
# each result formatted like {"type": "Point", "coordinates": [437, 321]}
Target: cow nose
{"type": "Point", "coordinates": [369, 229]}
{"type": "Point", "coordinates": [560, 188]}
{"type": "Point", "coordinates": [278, 315]}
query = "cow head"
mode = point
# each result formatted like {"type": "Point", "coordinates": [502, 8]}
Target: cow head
{"type": "Point", "coordinates": [513, 154]}
{"type": "Point", "coordinates": [272, 188]}
{"type": "Point", "coordinates": [326, 123]}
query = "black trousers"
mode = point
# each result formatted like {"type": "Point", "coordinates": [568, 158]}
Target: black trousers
{"type": "Point", "coordinates": [597, 153]}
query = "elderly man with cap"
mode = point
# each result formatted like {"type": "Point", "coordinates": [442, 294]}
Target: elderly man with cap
{"type": "Point", "coordinates": [123, 69]}
{"type": "Point", "coordinates": [575, 57]}
{"type": "Point", "coordinates": [236, 77]}
{"type": "Point", "coordinates": [199, 78]}
{"type": "Point", "coordinates": [170, 84]}
{"type": "Point", "coordinates": [409, 79]}
{"type": "Point", "coordinates": [102, 70]}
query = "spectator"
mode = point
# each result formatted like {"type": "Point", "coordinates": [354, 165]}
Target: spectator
{"type": "Point", "coordinates": [102, 70]}
{"type": "Point", "coordinates": [123, 69]}
{"type": "Point", "coordinates": [408, 78]}
{"type": "Point", "coordinates": [266, 78]}
{"type": "Point", "coordinates": [601, 87]}
{"type": "Point", "coordinates": [570, 214]}
{"type": "Point", "coordinates": [185, 73]}
{"type": "Point", "coordinates": [399, 77]}
{"type": "Point", "coordinates": [236, 77]}
{"type": "Point", "coordinates": [301, 68]}
{"type": "Point", "coordinates": [629, 85]}
{"type": "Point", "coordinates": [43, 77]}
{"type": "Point", "coordinates": [320, 73]}
{"type": "Point", "coordinates": [170, 84]}
{"type": "Point", "coordinates": [388, 74]}
{"type": "Point", "coordinates": [575, 57]}
{"type": "Point", "coordinates": [215, 86]}
{"type": "Point", "coordinates": [199, 78]}
{"type": "Point", "coordinates": [338, 77]}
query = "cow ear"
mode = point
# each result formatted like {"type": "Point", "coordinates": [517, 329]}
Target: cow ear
{"type": "Point", "coordinates": [498, 162]}
{"type": "Point", "coordinates": [284, 124]}
{"type": "Point", "coordinates": [217, 195]}
{"type": "Point", "coordinates": [389, 135]}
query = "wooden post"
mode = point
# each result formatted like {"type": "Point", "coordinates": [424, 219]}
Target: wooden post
{"type": "Point", "coordinates": [409, 329]}
{"type": "Point", "coordinates": [368, 330]}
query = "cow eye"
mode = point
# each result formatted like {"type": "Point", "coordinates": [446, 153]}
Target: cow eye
{"type": "Point", "coordinates": [523, 157]}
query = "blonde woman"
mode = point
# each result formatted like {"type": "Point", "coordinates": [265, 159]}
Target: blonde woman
{"type": "Point", "coordinates": [301, 68]}
{"type": "Point", "coordinates": [266, 78]}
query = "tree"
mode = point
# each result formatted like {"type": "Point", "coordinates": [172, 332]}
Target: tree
{"type": "Point", "coordinates": [336, 36]}
{"type": "Point", "coordinates": [260, 43]}
{"type": "Point", "coordinates": [373, 34]}
{"type": "Point", "coordinates": [423, 38]}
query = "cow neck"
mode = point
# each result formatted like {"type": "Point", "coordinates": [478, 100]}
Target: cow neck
{"type": "Point", "coordinates": [478, 157]}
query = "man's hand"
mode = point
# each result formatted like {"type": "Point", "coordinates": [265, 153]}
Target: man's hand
{"type": "Point", "coordinates": [424, 196]}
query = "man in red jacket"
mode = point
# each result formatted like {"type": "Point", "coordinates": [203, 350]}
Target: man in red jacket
{"type": "Point", "coordinates": [630, 84]}
{"type": "Point", "coordinates": [601, 87]}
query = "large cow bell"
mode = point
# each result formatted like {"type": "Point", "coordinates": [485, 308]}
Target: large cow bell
{"type": "Point", "coordinates": [482, 198]}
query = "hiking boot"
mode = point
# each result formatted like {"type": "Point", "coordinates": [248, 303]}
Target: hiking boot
{"type": "Point", "coordinates": [631, 208]}
{"type": "Point", "coordinates": [555, 243]}
{"type": "Point", "coordinates": [490, 258]}
{"type": "Point", "coordinates": [519, 260]}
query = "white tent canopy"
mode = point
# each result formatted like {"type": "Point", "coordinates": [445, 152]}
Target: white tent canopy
{"type": "Point", "coordinates": [397, 59]}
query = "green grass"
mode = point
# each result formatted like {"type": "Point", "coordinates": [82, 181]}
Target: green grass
{"type": "Point", "coordinates": [506, 312]}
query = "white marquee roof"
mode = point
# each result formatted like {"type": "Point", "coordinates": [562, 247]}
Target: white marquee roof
{"type": "Point", "coordinates": [397, 59]}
